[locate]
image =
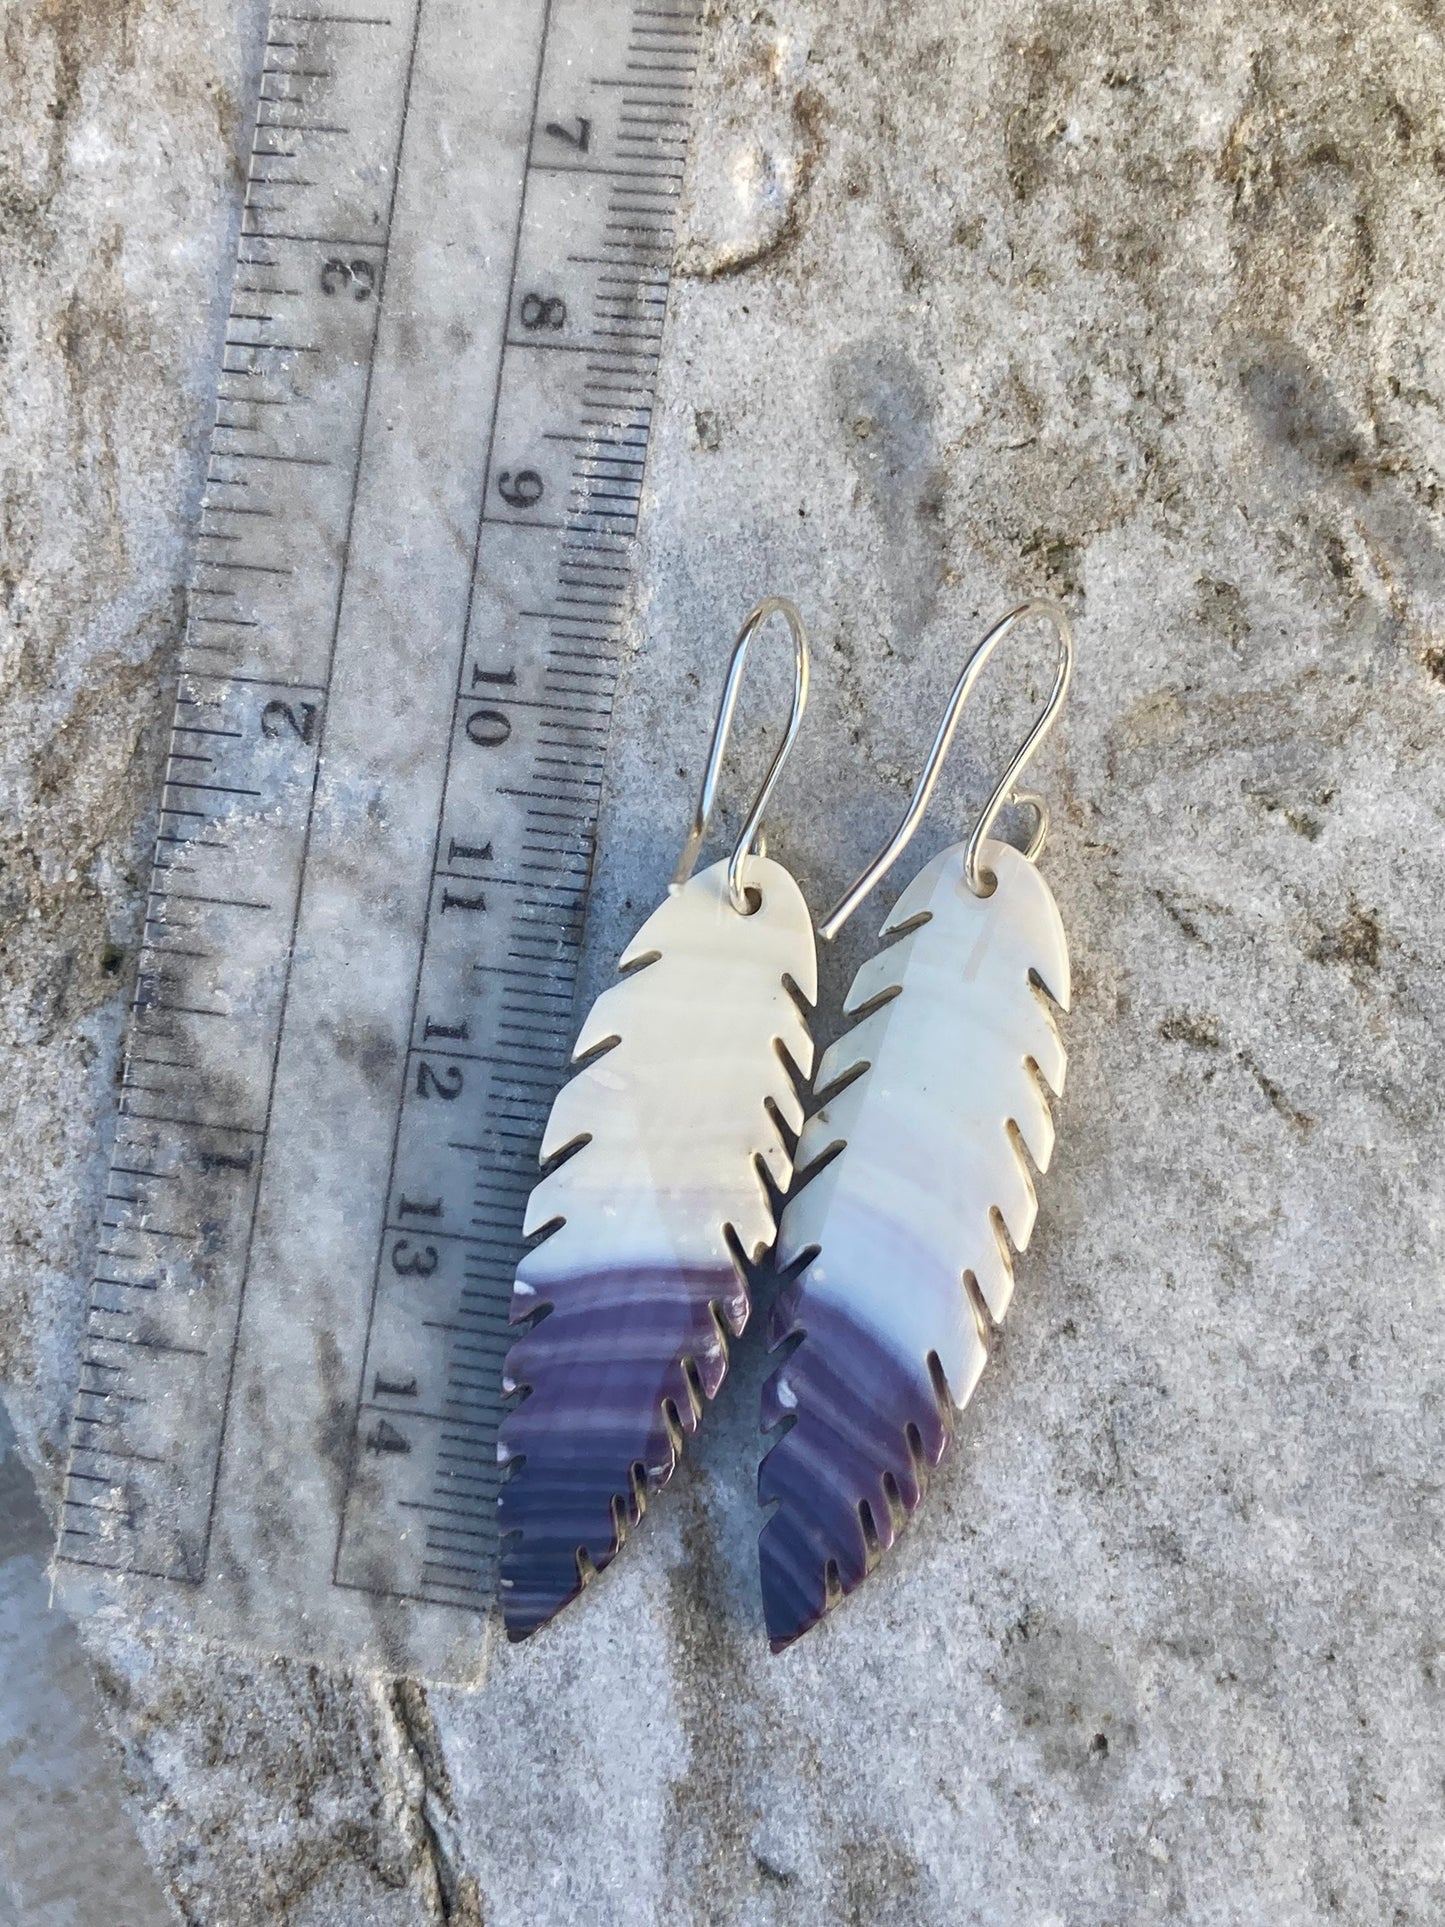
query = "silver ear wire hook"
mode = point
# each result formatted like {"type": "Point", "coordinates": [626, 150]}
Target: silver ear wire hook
{"type": "Point", "coordinates": [942, 742]}
{"type": "Point", "coordinates": [707, 796]}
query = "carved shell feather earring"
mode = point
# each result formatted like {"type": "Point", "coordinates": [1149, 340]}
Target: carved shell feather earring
{"type": "Point", "coordinates": [915, 1188]}
{"type": "Point", "coordinates": [666, 1156]}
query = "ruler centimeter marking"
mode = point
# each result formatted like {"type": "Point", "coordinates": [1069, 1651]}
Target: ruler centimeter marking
{"type": "Point", "coordinates": [354, 998]}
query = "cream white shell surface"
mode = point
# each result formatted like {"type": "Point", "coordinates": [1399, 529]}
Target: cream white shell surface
{"type": "Point", "coordinates": [957, 1059]}
{"type": "Point", "coordinates": [675, 1111]}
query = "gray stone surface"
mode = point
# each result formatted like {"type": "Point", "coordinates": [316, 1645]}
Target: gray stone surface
{"type": "Point", "coordinates": [68, 1848]}
{"type": "Point", "coordinates": [1136, 303]}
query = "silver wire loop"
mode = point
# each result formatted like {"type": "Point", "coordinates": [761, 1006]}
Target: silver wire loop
{"type": "Point", "coordinates": [942, 742]}
{"type": "Point", "coordinates": [1032, 800]}
{"type": "Point", "coordinates": [751, 837]}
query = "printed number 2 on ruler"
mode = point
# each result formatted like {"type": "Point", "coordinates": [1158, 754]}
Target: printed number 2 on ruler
{"type": "Point", "coordinates": [355, 993]}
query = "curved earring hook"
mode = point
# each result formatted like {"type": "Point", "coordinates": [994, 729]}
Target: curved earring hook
{"type": "Point", "coordinates": [943, 741]}
{"type": "Point", "coordinates": [707, 796]}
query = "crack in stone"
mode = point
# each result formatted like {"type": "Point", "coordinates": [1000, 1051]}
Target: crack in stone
{"type": "Point", "coordinates": [458, 1897]}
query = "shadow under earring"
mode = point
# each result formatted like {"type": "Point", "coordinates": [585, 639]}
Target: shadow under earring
{"type": "Point", "coordinates": [667, 1149]}
{"type": "Point", "coordinates": [919, 1184]}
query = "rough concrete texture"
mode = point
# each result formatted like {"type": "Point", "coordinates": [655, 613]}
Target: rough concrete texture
{"type": "Point", "coordinates": [1136, 303]}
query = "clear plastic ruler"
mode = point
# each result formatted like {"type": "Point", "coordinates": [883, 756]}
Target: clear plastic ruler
{"type": "Point", "coordinates": [355, 995]}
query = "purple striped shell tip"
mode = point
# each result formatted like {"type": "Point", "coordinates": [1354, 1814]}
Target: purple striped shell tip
{"type": "Point", "coordinates": [615, 1365]}
{"type": "Point", "coordinates": [865, 1428]}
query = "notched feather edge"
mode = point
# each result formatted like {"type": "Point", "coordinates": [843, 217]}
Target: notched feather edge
{"type": "Point", "coordinates": [776, 1195]}
{"type": "Point", "coordinates": [895, 931]}
{"type": "Point", "coordinates": [1026, 1166]}
{"type": "Point", "coordinates": [836, 1086]}
{"type": "Point", "coordinates": [804, 1176]}
{"type": "Point", "coordinates": [983, 1318]}
{"type": "Point", "coordinates": [582, 1060]}
{"type": "Point", "coordinates": [1051, 1003]}
{"type": "Point", "coordinates": [1046, 1090]}
{"type": "Point", "coordinates": [793, 1071]}
{"type": "Point", "coordinates": [802, 1002]}
{"type": "Point", "coordinates": [563, 1155]}
{"type": "Point", "coordinates": [875, 1002]}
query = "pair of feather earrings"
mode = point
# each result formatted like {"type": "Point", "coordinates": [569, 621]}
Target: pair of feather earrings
{"type": "Point", "coordinates": [672, 1147]}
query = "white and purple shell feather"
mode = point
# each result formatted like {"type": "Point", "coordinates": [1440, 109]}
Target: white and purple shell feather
{"type": "Point", "coordinates": [684, 1099]}
{"type": "Point", "coordinates": [903, 1236]}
